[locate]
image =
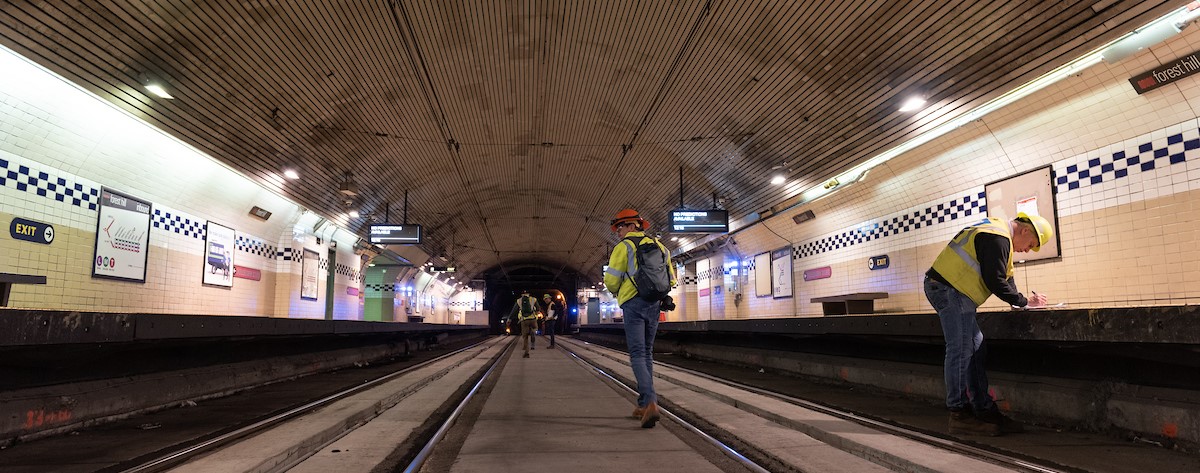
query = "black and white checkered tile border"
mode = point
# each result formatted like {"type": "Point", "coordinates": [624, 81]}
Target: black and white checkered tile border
{"type": "Point", "coordinates": [255, 246]}
{"type": "Point", "coordinates": [41, 183]}
{"type": "Point", "coordinates": [167, 222]}
{"type": "Point", "coordinates": [690, 280]}
{"type": "Point", "coordinates": [1097, 167]}
{"type": "Point", "coordinates": [972, 204]}
{"type": "Point", "coordinates": [379, 287]}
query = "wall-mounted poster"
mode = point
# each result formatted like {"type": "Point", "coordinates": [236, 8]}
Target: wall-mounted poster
{"type": "Point", "coordinates": [1032, 193]}
{"type": "Point", "coordinates": [308, 275]}
{"type": "Point", "coordinates": [762, 274]}
{"type": "Point", "coordinates": [781, 273]}
{"type": "Point", "coordinates": [122, 237]}
{"type": "Point", "coordinates": [218, 255]}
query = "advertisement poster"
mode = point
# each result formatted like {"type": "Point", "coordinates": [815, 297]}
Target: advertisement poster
{"type": "Point", "coordinates": [308, 275]}
{"type": "Point", "coordinates": [218, 255]}
{"type": "Point", "coordinates": [781, 272]}
{"type": "Point", "coordinates": [122, 237]}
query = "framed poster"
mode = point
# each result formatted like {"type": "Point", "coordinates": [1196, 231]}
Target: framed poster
{"type": "Point", "coordinates": [308, 275]}
{"type": "Point", "coordinates": [218, 255]}
{"type": "Point", "coordinates": [781, 273]}
{"type": "Point", "coordinates": [762, 274]}
{"type": "Point", "coordinates": [1031, 192]}
{"type": "Point", "coordinates": [122, 237]}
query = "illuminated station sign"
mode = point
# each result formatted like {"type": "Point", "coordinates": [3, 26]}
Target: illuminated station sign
{"type": "Point", "coordinates": [386, 234]}
{"type": "Point", "coordinates": [699, 221]}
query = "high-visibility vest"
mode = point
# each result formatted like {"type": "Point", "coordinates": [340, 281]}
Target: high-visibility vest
{"type": "Point", "coordinates": [533, 308]}
{"type": "Point", "coordinates": [959, 264]}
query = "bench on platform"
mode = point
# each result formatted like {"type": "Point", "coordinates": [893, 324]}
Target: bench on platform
{"type": "Point", "coordinates": [7, 280]}
{"type": "Point", "coordinates": [857, 303]}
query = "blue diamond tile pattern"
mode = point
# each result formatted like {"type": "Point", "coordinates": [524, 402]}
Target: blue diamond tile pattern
{"type": "Point", "coordinates": [167, 222]}
{"type": "Point", "coordinates": [52, 187]}
{"type": "Point", "coordinates": [965, 206]}
{"type": "Point", "coordinates": [1098, 167]}
{"type": "Point", "coordinates": [255, 246]}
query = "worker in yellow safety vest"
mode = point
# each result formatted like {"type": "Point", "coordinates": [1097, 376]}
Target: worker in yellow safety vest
{"type": "Point", "coordinates": [526, 309]}
{"type": "Point", "coordinates": [640, 312]}
{"type": "Point", "coordinates": [977, 263]}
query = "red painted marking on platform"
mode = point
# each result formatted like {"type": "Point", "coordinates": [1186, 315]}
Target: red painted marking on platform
{"type": "Point", "coordinates": [844, 373]}
{"type": "Point", "coordinates": [1170, 429]}
{"type": "Point", "coordinates": [39, 417]}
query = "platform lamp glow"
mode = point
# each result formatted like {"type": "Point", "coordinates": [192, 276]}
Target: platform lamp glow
{"type": "Point", "coordinates": [155, 85]}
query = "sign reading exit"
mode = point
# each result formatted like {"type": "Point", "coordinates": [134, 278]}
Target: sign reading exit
{"type": "Point", "coordinates": [30, 230]}
{"type": "Point", "coordinates": [879, 262]}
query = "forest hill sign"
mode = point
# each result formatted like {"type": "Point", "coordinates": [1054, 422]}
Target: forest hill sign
{"type": "Point", "coordinates": [1166, 74]}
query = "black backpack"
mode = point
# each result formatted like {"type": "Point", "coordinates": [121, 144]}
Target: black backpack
{"type": "Point", "coordinates": [526, 306]}
{"type": "Point", "coordinates": [652, 278]}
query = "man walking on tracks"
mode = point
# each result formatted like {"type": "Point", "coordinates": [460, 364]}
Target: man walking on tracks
{"type": "Point", "coordinates": [977, 263]}
{"type": "Point", "coordinates": [527, 309]}
{"type": "Point", "coordinates": [640, 275]}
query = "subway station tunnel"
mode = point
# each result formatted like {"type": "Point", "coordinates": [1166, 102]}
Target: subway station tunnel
{"type": "Point", "coordinates": [189, 188]}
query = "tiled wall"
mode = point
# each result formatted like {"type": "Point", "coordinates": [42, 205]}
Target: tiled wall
{"type": "Point", "coordinates": [1127, 181]}
{"type": "Point", "coordinates": [59, 146]}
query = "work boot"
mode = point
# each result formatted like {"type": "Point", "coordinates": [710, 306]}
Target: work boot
{"type": "Point", "coordinates": [637, 413]}
{"type": "Point", "coordinates": [1006, 424]}
{"type": "Point", "coordinates": [526, 355]}
{"type": "Point", "coordinates": [963, 423]}
{"type": "Point", "coordinates": [650, 415]}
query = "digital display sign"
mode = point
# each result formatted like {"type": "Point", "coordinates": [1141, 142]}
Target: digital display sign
{"type": "Point", "coordinates": [387, 234]}
{"type": "Point", "coordinates": [699, 221]}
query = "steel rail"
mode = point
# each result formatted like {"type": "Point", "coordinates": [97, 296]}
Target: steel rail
{"type": "Point", "coordinates": [182, 455]}
{"type": "Point", "coordinates": [727, 450]}
{"type": "Point", "coordinates": [418, 461]}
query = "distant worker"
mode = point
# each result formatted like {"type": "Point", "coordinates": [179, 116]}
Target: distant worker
{"type": "Point", "coordinates": [553, 308]}
{"type": "Point", "coordinates": [525, 310]}
{"type": "Point", "coordinates": [977, 263]}
{"type": "Point", "coordinates": [640, 275]}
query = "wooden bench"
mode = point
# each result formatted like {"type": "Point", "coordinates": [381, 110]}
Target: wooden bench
{"type": "Point", "coordinates": [7, 280]}
{"type": "Point", "coordinates": [857, 303]}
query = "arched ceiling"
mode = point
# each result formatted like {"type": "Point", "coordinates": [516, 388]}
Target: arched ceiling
{"type": "Point", "coordinates": [518, 128]}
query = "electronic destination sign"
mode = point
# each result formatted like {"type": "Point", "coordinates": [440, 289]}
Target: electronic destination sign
{"type": "Point", "coordinates": [699, 221]}
{"type": "Point", "coordinates": [388, 234]}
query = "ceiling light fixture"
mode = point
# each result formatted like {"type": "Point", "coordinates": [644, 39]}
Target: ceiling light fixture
{"type": "Point", "coordinates": [290, 173]}
{"type": "Point", "coordinates": [155, 85]}
{"type": "Point", "coordinates": [778, 179]}
{"type": "Point", "coordinates": [913, 103]}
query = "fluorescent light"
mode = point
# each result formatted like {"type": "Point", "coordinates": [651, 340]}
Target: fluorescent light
{"type": "Point", "coordinates": [291, 173]}
{"type": "Point", "coordinates": [778, 179]}
{"type": "Point", "coordinates": [913, 103]}
{"type": "Point", "coordinates": [159, 91]}
{"type": "Point", "coordinates": [353, 214]}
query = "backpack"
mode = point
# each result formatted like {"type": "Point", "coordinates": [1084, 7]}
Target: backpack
{"type": "Point", "coordinates": [526, 306]}
{"type": "Point", "coordinates": [652, 277]}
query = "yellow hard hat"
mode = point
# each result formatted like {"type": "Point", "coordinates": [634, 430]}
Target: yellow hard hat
{"type": "Point", "coordinates": [1042, 226]}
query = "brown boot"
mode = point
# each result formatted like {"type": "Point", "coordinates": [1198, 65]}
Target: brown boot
{"type": "Point", "coordinates": [1007, 425]}
{"type": "Point", "coordinates": [637, 413]}
{"type": "Point", "coordinates": [963, 423]}
{"type": "Point", "coordinates": [650, 415]}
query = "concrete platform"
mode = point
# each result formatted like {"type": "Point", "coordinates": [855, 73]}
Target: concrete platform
{"type": "Point", "coordinates": [548, 414]}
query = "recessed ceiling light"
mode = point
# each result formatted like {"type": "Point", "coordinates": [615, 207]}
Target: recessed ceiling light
{"type": "Point", "coordinates": [778, 179]}
{"type": "Point", "coordinates": [913, 103]}
{"type": "Point", "coordinates": [353, 214]}
{"type": "Point", "coordinates": [159, 91]}
{"type": "Point", "coordinates": [291, 173]}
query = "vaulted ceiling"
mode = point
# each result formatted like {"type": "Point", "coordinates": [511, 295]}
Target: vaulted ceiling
{"type": "Point", "coordinates": [517, 128]}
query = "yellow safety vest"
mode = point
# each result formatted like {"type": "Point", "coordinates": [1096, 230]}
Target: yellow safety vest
{"type": "Point", "coordinates": [622, 263]}
{"type": "Point", "coordinates": [533, 304]}
{"type": "Point", "coordinates": [959, 264]}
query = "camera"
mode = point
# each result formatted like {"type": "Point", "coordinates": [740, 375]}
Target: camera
{"type": "Point", "coordinates": [667, 303]}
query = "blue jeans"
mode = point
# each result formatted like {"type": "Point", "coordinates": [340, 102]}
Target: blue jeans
{"type": "Point", "coordinates": [641, 323]}
{"type": "Point", "coordinates": [966, 352]}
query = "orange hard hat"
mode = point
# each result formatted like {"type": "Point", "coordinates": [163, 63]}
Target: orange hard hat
{"type": "Point", "coordinates": [628, 215]}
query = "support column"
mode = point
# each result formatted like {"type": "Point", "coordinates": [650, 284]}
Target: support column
{"type": "Point", "coordinates": [379, 302]}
